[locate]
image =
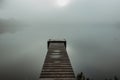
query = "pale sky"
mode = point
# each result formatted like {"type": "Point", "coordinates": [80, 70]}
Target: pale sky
{"type": "Point", "coordinates": [91, 28]}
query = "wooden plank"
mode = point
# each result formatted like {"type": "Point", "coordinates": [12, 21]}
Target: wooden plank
{"type": "Point", "coordinates": [57, 65]}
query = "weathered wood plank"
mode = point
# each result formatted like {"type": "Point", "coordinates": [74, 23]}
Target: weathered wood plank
{"type": "Point", "coordinates": [57, 65]}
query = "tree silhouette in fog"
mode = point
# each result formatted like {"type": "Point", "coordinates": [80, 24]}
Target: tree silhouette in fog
{"type": "Point", "coordinates": [115, 78]}
{"type": "Point", "coordinates": [81, 76]}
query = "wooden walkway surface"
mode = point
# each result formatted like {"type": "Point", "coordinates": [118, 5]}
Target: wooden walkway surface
{"type": "Point", "coordinates": [57, 65]}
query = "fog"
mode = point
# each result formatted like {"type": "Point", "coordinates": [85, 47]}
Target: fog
{"type": "Point", "coordinates": [91, 28]}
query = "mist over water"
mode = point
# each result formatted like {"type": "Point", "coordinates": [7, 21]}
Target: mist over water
{"type": "Point", "coordinates": [91, 28]}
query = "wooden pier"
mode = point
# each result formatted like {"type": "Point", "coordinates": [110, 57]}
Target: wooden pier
{"type": "Point", "coordinates": [57, 64]}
